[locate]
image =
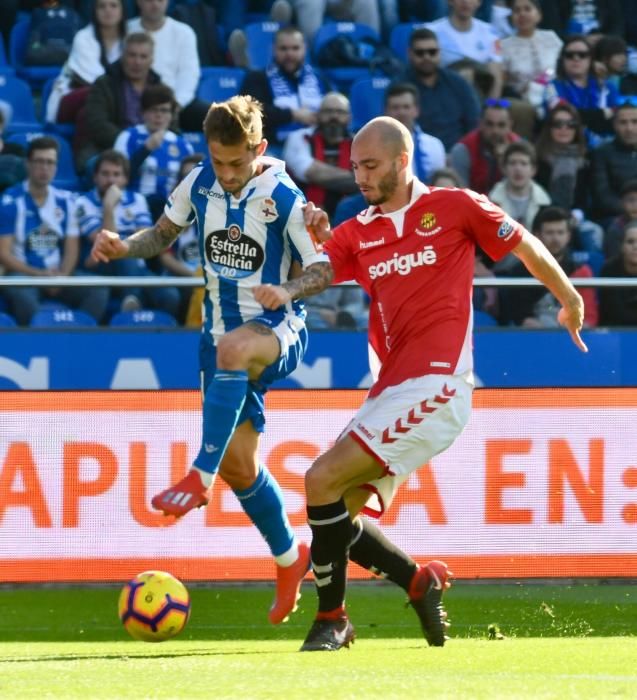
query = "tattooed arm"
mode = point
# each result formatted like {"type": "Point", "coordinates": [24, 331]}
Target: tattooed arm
{"type": "Point", "coordinates": [312, 281]}
{"type": "Point", "coordinates": [144, 244]}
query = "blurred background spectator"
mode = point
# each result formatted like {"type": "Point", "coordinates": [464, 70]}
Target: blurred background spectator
{"type": "Point", "coordinates": [39, 237]}
{"type": "Point", "coordinates": [618, 305]}
{"type": "Point", "coordinates": [318, 158]}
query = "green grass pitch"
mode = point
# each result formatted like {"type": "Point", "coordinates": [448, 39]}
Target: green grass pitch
{"type": "Point", "coordinates": [560, 641]}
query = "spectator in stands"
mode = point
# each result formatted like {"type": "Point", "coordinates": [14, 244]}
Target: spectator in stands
{"type": "Point", "coordinates": [592, 17]}
{"type": "Point", "coordinates": [518, 193]}
{"type": "Point", "coordinates": [338, 308]}
{"type": "Point", "coordinates": [564, 172]}
{"type": "Point", "coordinates": [462, 36]}
{"type": "Point", "coordinates": [614, 163]}
{"type": "Point", "coordinates": [449, 107]}
{"type": "Point", "coordinates": [175, 58]}
{"type": "Point", "coordinates": [529, 58]}
{"type": "Point", "coordinates": [183, 259]}
{"type": "Point", "coordinates": [476, 157]}
{"type": "Point", "coordinates": [319, 157]}
{"type": "Point", "coordinates": [563, 167]}
{"type": "Point", "coordinates": [114, 100]}
{"type": "Point", "coordinates": [290, 90]}
{"type": "Point", "coordinates": [401, 103]}
{"type": "Point", "coordinates": [94, 48]}
{"type": "Point", "coordinates": [534, 307]}
{"type": "Point", "coordinates": [614, 235]}
{"type": "Point", "coordinates": [445, 177]}
{"type": "Point", "coordinates": [111, 205]}
{"type": "Point", "coordinates": [611, 63]}
{"type": "Point", "coordinates": [39, 238]}
{"type": "Point", "coordinates": [310, 14]}
{"type": "Point", "coordinates": [577, 83]}
{"type": "Point", "coordinates": [12, 163]}
{"type": "Point", "coordinates": [618, 305]}
{"type": "Point", "coordinates": [154, 151]}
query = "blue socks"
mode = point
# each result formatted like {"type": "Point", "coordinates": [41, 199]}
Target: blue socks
{"type": "Point", "coordinates": [222, 405]}
{"type": "Point", "coordinates": [263, 504]}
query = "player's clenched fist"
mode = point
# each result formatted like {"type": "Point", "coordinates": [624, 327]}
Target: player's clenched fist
{"type": "Point", "coordinates": [108, 246]}
{"type": "Point", "coordinates": [271, 296]}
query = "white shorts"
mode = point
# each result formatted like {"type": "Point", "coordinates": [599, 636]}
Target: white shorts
{"type": "Point", "coordinates": [407, 425]}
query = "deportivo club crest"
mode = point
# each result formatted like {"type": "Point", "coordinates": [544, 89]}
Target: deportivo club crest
{"type": "Point", "coordinates": [232, 254]}
{"type": "Point", "coordinates": [428, 220]}
{"type": "Point", "coordinates": [269, 210]}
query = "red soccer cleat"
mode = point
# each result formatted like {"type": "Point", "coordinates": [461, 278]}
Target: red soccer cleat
{"type": "Point", "coordinates": [181, 498]}
{"type": "Point", "coordinates": [288, 586]}
{"type": "Point", "coordinates": [425, 597]}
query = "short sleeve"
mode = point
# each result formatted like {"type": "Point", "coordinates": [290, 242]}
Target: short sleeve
{"type": "Point", "coordinates": [489, 225]}
{"type": "Point", "coordinates": [179, 208]}
{"type": "Point", "coordinates": [309, 251]}
{"type": "Point", "coordinates": [297, 154]}
{"type": "Point", "coordinates": [7, 215]}
{"type": "Point", "coordinates": [340, 255]}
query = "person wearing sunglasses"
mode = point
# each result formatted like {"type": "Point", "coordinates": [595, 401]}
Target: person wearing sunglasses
{"type": "Point", "coordinates": [462, 36]}
{"type": "Point", "coordinates": [448, 105]}
{"type": "Point", "coordinates": [577, 83]}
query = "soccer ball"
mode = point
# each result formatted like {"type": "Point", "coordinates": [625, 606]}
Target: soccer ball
{"type": "Point", "coordinates": [154, 606]}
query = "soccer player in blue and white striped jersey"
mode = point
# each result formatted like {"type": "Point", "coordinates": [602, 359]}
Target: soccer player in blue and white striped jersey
{"type": "Point", "coordinates": [259, 260]}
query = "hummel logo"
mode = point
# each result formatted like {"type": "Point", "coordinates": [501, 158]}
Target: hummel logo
{"type": "Point", "coordinates": [210, 448]}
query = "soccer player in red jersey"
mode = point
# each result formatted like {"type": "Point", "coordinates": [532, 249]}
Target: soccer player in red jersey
{"type": "Point", "coordinates": [412, 250]}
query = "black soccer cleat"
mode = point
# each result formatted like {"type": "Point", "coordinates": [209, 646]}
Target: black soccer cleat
{"type": "Point", "coordinates": [425, 598]}
{"type": "Point", "coordinates": [329, 635]}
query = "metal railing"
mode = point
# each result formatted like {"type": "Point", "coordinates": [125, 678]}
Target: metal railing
{"type": "Point", "coordinates": [152, 281]}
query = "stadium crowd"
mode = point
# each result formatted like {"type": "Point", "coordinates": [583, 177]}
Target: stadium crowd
{"type": "Point", "coordinates": [530, 102]}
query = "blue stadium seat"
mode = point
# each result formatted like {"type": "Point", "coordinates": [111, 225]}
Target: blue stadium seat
{"type": "Point", "coordinates": [54, 318]}
{"type": "Point", "coordinates": [482, 319]}
{"type": "Point", "coordinates": [34, 75]}
{"type": "Point", "coordinates": [367, 99]}
{"type": "Point", "coordinates": [5, 67]}
{"type": "Point", "coordinates": [144, 318]}
{"type": "Point", "coordinates": [219, 83]}
{"type": "Point", "coordinates": [66, 177]}
{"type": "Point", "coordinates": [399, 38]}
{"type": "Point", "coordinates": [17, 93]}
{"type": "Point", "coordinates": [260, 36]}
{"type": "Point", "coordinates": [343, 77]}
{"type": "Point", "coordinates": [7, 321]}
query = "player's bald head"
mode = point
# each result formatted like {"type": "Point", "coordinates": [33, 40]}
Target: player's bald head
{"type": "Point", "coordinates": [389, 134]}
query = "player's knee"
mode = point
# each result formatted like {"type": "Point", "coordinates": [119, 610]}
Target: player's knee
{"type": "Point", "coordinates": [233, 352]}
{"type": "Point", "coordinates": [320, 480]}
{"type": "Point", "coordinates": [238, 475]}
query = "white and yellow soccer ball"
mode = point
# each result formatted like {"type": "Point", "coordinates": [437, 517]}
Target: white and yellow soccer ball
{"type": "Point", "coordinates": [154, 606]}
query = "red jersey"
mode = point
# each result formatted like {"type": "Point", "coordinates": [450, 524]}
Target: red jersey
{"type": "Point", "coordinates": [416, 264]}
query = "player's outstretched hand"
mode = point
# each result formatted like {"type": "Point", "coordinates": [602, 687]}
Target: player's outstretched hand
{"type": "Point", "coordinates": [271, 296]}
{"type": "Point", "coordinates": [572, 318]}
{"type": "Point", "coordinates": [108, 246]}
{"type": "Point", "coordinates": [317, 222]}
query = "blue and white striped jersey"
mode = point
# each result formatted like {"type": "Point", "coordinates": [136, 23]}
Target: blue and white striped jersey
{"type": "Point", "coordinates": [244, 241]}
{"type": "Point", "coordinates": [131, 214]}
{"type": "Point", "coordinates": [38, 232]}
{"type": "Point", "coordinates": [158, 173]}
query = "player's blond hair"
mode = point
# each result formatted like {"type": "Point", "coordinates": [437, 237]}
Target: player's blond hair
{"type": "Point", "coordinates": [235, 121]}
